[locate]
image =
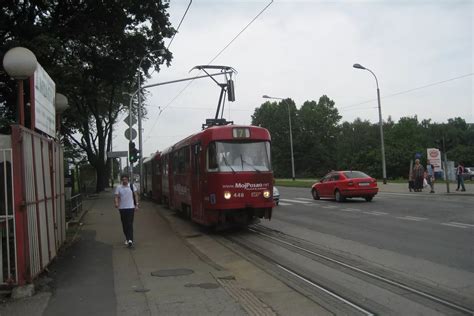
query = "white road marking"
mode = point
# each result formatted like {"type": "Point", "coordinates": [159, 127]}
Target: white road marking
{"type": "Point", "coordinates": [375, 213]}
{"type": "Point", "coordinates": [328, 206]}
{"type": "Point", "coordinates": [454, 225]}
{"type": "Point", "coordinates": [463, 224]}
{"type": "Point", "coordinates": [413, 218]}
{"type": "Point", "coordinates": [294, 201]}
{"type": "Point", "coordinates": [350, 210]}
{"type": "Point", "coordinates": [305, 199]}
{"type": "Point", "coordinates": [284, 204]}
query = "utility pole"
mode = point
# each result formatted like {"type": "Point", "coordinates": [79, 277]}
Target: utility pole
{"type": "Point", "coordinates": [446, 178]}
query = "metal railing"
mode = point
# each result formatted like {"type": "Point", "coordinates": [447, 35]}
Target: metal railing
{"type": "Point", "coordinates": [8, 263]}
{"type": "Point", "coordinates": [74, 205]}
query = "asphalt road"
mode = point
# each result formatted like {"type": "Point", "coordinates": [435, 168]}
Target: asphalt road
{"type": "Point", "coordinates": [438, 229]}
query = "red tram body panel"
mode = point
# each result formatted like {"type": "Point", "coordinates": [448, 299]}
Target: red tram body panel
{"type": "Point", "coordinates": [220, 175]}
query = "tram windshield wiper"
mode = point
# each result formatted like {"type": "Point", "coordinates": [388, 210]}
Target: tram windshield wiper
{"type": "Point", "coordinates": [227, 164]}
{"type": "Point", "coordinates": [248, 164]}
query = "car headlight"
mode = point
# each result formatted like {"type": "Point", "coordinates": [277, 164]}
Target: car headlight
{"type": "Point", "coordinates": [266, 194]}
{"type": "Point", "coordinates": [227, 195]}
{"type": "Point", "coordinates": [275, 191]}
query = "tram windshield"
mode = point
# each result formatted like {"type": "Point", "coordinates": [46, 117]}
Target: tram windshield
{"type": "Point", "coordinates": [238, 156]}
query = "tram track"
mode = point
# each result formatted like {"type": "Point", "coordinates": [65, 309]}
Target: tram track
{"type": "Point", "coordinates": [424, 295]}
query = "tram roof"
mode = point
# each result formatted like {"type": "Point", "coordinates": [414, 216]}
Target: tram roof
{"type": "Point", "coordinates": [221, 132]}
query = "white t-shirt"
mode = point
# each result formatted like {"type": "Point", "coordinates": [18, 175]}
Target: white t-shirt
{"type": "Point", "coordinates": [126, 196]}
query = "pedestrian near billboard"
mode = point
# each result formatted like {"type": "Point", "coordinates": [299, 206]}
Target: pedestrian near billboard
{"type": "Point", "coordinates": [430, 175]}
{"type": "Point", "coordinates": [411, 179]}
{"type": "Point", "coordinates": [126, 201]}
{"type": "Point", "coordinates": [418, 175]}
{"type": "Point", "coordinates": [459, 176]}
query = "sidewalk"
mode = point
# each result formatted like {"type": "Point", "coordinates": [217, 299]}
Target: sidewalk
{"type": "Point", "coordinates": [174, 269]}
{"type": "Point", "coordinates": [440, 188]}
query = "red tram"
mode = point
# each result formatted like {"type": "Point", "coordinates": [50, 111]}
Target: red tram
{"type": "Point", "coordinates": [152, 177]}
{"type": "Point", "coordinates": [218, 176]}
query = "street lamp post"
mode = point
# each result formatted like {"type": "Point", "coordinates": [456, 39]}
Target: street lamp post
{"type": "Point", "coordinates": [20, 64]}
{"type": "Point", "coordinates": [139, 114]}
{"type": "Point", "coordinates": [291, 133]}
{"type": "Point", "coordinates": [384, 169]}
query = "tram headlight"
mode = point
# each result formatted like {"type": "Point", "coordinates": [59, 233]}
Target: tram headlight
{"type": "Point", "coordinates": [266, 194]}
{"type": "Point", "coordinates": [227, 195]}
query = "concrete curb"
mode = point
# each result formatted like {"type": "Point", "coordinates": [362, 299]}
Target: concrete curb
{"type": "Point", "coordinates": [245, 298]}
{"type": "Point", "coordinates": [256, 290]}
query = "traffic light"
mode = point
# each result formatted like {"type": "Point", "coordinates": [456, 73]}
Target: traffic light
{"type": "Point", "coordinates": [133, 152]}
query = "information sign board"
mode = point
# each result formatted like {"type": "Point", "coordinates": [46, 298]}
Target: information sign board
{"type": "Point", "coordinates": [45, 92]}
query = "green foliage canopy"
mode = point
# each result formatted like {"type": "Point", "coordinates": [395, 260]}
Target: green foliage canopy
{"type": "Point", "coordinates": [322, 143]}
{"type": "Point", "coordinates": [92, 50]}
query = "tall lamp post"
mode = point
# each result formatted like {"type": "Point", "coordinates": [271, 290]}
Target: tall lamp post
{"type": "Point", "coordinates": [291, 133]}
{"type": "Point", "coordinates": [139, 114]}
{"type": "Point", "coordinates": [20, 64]}
{"type": "Point", "coordinates": [384, 169]}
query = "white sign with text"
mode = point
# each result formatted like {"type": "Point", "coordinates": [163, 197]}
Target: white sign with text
{"type": "Point", "coordinates": [45, 92]}
{"type": "Point", "coordinates": [434, 156]}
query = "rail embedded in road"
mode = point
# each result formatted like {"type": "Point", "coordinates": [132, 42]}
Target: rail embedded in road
{"type": "Point", "coordinates": [422, 294]}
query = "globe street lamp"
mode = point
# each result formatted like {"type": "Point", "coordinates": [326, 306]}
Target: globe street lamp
{"type": "Point", "coordinates": [291, 134]}
{"type": "Point", "coordinates": [384, 170]}
{"type": "Point", "coordinates": [20, 64]}
{"type": "Point", "coordinates": [61, 104]}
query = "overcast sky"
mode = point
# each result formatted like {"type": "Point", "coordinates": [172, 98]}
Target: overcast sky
{"type": "Point", "coordinates": [304, 49]}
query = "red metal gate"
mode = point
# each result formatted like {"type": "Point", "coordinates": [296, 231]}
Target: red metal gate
{"type": "Point", "coordinates": [39, 203]}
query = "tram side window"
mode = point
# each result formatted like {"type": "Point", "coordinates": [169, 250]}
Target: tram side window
{"type": "Point", "coordinates": [181, 160]}
{"type": "Point", "coordinates": [212, 157]}
{"type": "Point", "coordinates": [175, 164]}
{"type": "Point", "coordinates": [157, 168]}
{"type": "Point", "coordinates": [165, 166]}
{"type": "Point", "coordinates": [186, 158]}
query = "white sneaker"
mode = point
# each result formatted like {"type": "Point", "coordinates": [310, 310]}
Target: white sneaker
{"type": "Point", "coordinates": [126, 243]}
{"type": "Point", "coordinates": [130, 244]}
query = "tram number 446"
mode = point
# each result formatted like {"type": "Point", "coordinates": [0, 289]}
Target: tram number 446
{"type": "Point", "coordinates": [239, 195]}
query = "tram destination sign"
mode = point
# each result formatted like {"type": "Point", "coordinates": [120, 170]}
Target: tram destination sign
{"type": "Point", "coordinates": [117, 154]}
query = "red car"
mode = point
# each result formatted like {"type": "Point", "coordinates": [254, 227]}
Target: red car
{"type": "Point", "coordinates": [345, 184]}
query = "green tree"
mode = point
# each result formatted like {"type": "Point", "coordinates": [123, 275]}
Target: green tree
{"type": "Point", "coordinates": [91, 50]}
{"type": "Point", "coordinates": [403, 140]}
{"type": "Point", "coordinates": [274, 117]}
{"type": "Point", "coordinates": [316, 147]}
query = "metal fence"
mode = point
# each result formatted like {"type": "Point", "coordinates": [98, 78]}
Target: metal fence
{"type": "Point", "coordinates": [8, 263]}
{"type": "Point", "coordinates": [34, 208]}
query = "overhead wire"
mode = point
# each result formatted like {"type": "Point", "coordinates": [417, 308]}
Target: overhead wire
{"type": "Point", "coordinates": [219, 53]}
{"type": "Point", "coordinates": [213, 59]}
{"type": "Point", "coordinates": [407, 91]}
{"type": "Point", "coordinates": [180, 22]}
{"type": "Point", "coordinates": [177, 29]}
{"type": "Point", "coordinates": [167, 47]}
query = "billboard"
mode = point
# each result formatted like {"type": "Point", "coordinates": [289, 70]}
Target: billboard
{"type": "Point", "coordinates": [434, 156]}
{"type": "Point", "coordinates": [45, 111]}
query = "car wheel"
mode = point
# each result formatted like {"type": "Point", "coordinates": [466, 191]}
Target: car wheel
{"type": "Point", "coordinates": [369, 198]}
{"type": "Point", "coordinates": [315, 194]}
{"type": "Point", "coordinates": [338, 196]}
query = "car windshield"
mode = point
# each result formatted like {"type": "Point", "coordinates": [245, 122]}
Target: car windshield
{"type": "Point", "coordinates": [355, 174]}
{"type": "Point", "coordinates": [238, 157]}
